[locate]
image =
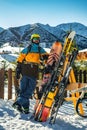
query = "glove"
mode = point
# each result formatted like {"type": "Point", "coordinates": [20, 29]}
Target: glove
{"type": "Point", "coordinates": [45, 56]}
{"type": "Point", "coordinates": [18, 70]}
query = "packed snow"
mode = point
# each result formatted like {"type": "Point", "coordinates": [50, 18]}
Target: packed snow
{"type": "Point", "coordinates": [67, 119]}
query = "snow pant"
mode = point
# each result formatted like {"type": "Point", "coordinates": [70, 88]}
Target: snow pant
{"type": "Point", "coordinates": [27, 86]}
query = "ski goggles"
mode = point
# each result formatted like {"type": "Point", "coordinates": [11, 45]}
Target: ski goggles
{"type": "Point", "coordinates": [36, 38]}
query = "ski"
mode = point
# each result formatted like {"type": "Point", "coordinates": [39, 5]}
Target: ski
{"type": "Point", "coordinates": [62, 85]}
{"type": "Point", "coordinates": [54, 90]}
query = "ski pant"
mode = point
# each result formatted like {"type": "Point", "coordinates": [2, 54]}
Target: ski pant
{"type": "Point", "coordinates": [27, 86]}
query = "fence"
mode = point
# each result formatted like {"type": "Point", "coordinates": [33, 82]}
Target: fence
{"type": "Point", "coordinates": [81, 77]}
{"type": "Point", "coordinates": [11, 81]}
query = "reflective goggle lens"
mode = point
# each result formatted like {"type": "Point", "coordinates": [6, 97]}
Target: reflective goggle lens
{"type": "Point", "coordinates": [36, 38]}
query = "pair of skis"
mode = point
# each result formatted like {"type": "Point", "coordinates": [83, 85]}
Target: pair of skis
{"type": "Point", "coordinates": [53, 94]}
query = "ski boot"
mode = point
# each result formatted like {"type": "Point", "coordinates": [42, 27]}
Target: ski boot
{"type": "Point", "coordinates": [20, 108]}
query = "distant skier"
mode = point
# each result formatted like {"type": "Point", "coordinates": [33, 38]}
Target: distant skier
{"type": "Point", "coordinates": [27, 65]}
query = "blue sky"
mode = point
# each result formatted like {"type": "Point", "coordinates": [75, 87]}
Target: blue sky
{"type": "Point", "coordinates": [15, 13]}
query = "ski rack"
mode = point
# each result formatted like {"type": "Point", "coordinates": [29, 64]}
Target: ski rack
{"type": "Point", "coordinates": [53, 94]}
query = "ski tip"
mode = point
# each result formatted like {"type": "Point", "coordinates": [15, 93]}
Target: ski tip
{"type": "Point", "coordinates": [72, 34]}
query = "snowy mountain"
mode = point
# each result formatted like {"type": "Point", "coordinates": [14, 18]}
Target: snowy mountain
{"type": "Point", "coordinates": [21, 35]}
{"type": "Point", "coordinates": [1, 29]}
{"type": "Point", "coordinates": [80, 29]}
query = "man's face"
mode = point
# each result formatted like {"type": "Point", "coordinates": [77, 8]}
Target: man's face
{"type": "Point", "coordinates": [36, 40]}
{"type": "Point", "coordinates": [46, 77]}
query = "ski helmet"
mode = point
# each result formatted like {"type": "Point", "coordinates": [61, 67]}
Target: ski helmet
{"type": "Point", "coordinates": [35, 36]}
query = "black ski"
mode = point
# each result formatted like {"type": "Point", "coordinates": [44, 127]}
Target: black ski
{"type": "Point", "coordinates": [62, 85]}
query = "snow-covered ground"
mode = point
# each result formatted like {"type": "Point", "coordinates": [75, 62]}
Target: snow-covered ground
{"type": "Point", "coordinates": [66, 118]}
{"type": "Point", "coordinates": [10, 119]}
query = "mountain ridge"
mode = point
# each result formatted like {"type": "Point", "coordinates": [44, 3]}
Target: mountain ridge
{"type": "Point", "coordinates": [49, 34]}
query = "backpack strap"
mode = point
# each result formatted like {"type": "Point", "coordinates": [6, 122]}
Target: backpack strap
{"type": "Point", "coordinates": [39, 50]}
{"type": "Point", "coordinates": [29, 48]}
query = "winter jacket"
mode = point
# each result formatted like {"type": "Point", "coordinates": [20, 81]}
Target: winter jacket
{"type": "Point", "coordinates": [33, 55]}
